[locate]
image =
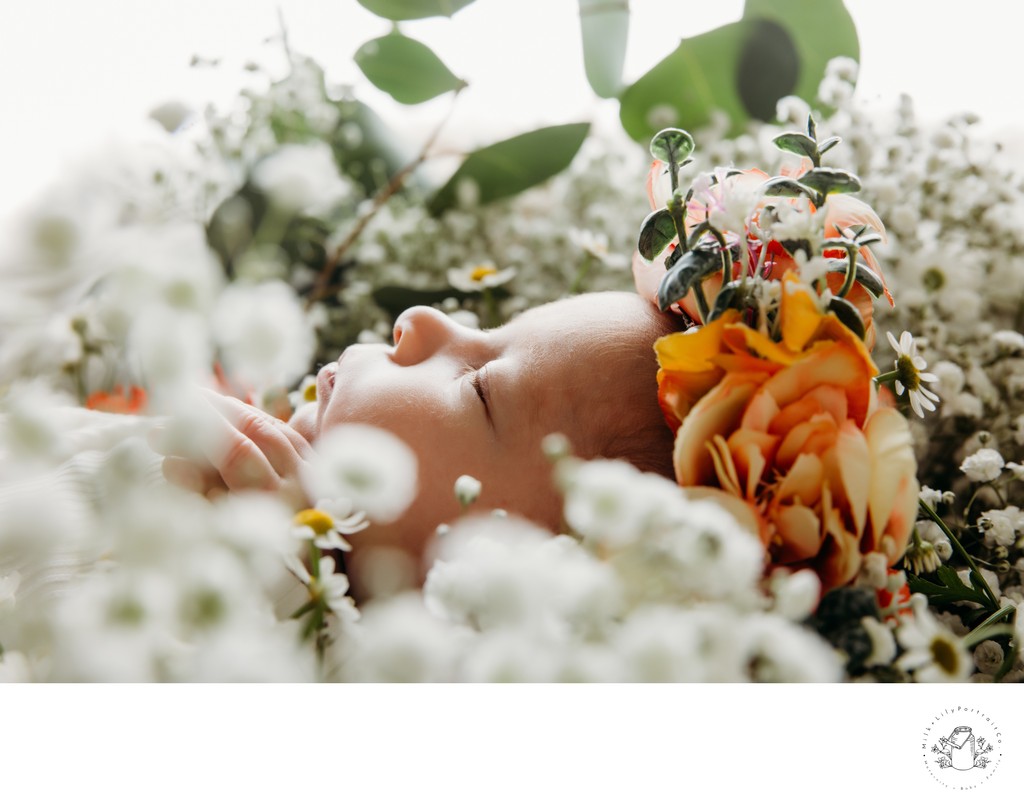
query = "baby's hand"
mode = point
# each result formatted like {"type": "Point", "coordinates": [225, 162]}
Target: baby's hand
{"type": "Point", "coordinates": [247, 449]}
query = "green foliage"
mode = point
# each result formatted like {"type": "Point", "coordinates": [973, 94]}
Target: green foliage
{"type": "Point", "coordinates": [689, 271]}
{"type": "Point", "coordinates": [778, 48]}
{"type": "Point", "coordinates": [831, 181]}
{"type": "Point", "coordinates": [949, 589]}
{"type": "Point", "coordinates": [672, 145]}
{"type": "Point", "coordinates": [656, 232]}
{"type": "Point", "coordinates": [414, 9]}
{"type": "Point", "coordinates": [511, 166]}
{"type": "Point", "coordinates": [605, 28]}
{"type": "Point", "coordinates": [405, 69]}
{"type": "Point", "coordinates": [848, 314]}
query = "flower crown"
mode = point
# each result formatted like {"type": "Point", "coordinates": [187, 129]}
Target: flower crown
{"type": "Point", "coordinates": [771, 391]}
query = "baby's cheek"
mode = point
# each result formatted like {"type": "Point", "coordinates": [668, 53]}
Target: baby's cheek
{"type": "Point", "coordinates": [303, 421]}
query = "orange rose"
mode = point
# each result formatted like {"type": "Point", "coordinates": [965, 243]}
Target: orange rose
{"type": "Point", "coordinates": [738, 194]}
{"type": "Point", "coordinates": [792, 432]}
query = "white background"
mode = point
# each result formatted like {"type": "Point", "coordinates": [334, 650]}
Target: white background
{"type": "Point", "coordinates": [73, 73]}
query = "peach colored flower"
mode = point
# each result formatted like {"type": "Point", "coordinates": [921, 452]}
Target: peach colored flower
{"type": "Point", "coordinates": [739, 190]}
{"type": "Point", "coordinates": [792, 434]}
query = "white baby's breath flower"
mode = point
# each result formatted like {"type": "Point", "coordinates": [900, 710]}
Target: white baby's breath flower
{"type": "Point", "coordinates": [263, 334]}
{"type": "Point", "coordinates": [467, 490]}
{"type": "Point", "coordinates": [796, 593]}
{"type": "Point", "coordinates": [1001, 526]}
{"type": "Point", "coordinates": [302, 177]}
{"type": "Point", "coordinates": [477, 277]}
{"type": "Point", "coordinates": [398, 640]}
{"type": "Point", "coordinates": [368, 466]}
{"type": "Point", "coordinates": [984, 465]}
{"type": "Point", "coordinates": [909, 366]}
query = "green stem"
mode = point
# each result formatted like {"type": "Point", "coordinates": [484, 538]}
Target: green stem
{"type": "Point", "coordinates": [577, 282]}
{"type": "Point", "coordinates": [851, 272]}
{"type": "Point", "coordinates": [888, 376]}
{"type": "Point", "coordinates": [935, 518]}
{"type": "Point", "coordinates": [702, 302]}
{"type": "Point", "coordinates": [979, 633]}
{"type": "Point", "coordinates": [724, 253]}
{"type": "Point", "coordinates": [490, 308]}
{"type": "Point", "coordinates": [676, 211]}
{"type": "Point", "coordinates": [314, 559]}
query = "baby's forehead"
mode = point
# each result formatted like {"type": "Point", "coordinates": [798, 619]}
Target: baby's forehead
{"type": "Point", "coordinates": [604, 311]}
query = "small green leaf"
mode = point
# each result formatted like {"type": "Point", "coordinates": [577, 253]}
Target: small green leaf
{"type": "Point", "coordinates": [797, 143]}
{"type": "Point", "coordinates": [729, 297]}
{"type": "Point", "coordinates": [828, 143]}
{"type": "Point", "coordinates": [405, 69]}
{"type": "Point", "coordinates": [656, 233]}
{"type": "Point", "coordinates": [692, 268]}
{"type": "Point", "coordinates": [864, 275]}
{"type": "Point", "coordinates": [510, 166]}
{"type": "Point", "coordinates": [949, 589]}
{"type": "Point", "coordinates": [413, 9]}
{"type": "Point", "coordinates": [605, 28]}
{"type": "Point", "coordinates": [831, 181]}
{"type": "Point", "coordinates": [848, 315]}
{"type": "Point", "coordinates": [672, 145]}
{"type": "Point", "coordinates": [785, 187]}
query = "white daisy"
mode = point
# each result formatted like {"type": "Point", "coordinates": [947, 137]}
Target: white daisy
{"type": "Point", "coordinates": [478, 277]}
{"type": "Point", "coordinates": [909, 365]}
{"type": "Point", "coordinates": [932, 652]}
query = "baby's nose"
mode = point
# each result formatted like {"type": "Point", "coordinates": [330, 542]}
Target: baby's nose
{"type": "Point", "coordinates": [420, 332]}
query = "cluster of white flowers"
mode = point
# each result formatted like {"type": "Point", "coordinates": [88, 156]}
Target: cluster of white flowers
{"type": "Point", "coordinates": [652, 588]}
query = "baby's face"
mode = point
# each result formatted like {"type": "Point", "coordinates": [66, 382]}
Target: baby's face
{"type": "Point", "coordinates": [479, 402]}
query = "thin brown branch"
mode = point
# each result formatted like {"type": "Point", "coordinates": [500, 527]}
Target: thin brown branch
{"type": "Point", "coordinates": [320, 287]}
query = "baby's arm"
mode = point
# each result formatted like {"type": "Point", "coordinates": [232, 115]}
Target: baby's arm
{"type": "Point", "coordinates": [248, 449]}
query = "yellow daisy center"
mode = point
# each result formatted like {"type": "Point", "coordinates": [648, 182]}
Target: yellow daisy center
{"type": "Point", "coordinates": [944, 654]}
{"type": "Point", "coordinates": [319, 521]}
{"type": "Point", "coordinates": [481, 272]}
{"type": "Point", "coordinates": [907, 372]}
{"type": "Point", "coordinates": [309, 392]}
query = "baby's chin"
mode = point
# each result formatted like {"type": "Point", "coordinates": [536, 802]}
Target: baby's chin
{"type": "Point", "coordinates": [303, 421]}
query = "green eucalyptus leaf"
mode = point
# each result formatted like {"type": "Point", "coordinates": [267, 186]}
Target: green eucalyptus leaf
{"type": "Point", "coordinates": [656, 233]}
{"type": "Point", "coordinates": [405, 69]}
{"type": "Point", "coordinates": [820, 30]}
{"type": "Point", "coordinates": [785, 187]}
{"type": "Point", "coordinates": [672, 145]}
{"type": "Point", "coordinates": [778, 48]}
{"type": "Point", "coordinates": [413, 9]}
{"type": "Point", "coordinates": [831, 181]}
{"type": "Point", "coordinates": [797, 143]}
{"type": "Point", "coordinates": [848, 315]}
{"type": "Point", "coordinates": [510, 166]}
{"type": "Point", "coordinates": [604, 25]}
{"type": "Point", "coordinates": [685, 86]}
{"type": "Point", "coordinates": [692, 268]}
{"type": "Point", "coordinates": [864, 275]}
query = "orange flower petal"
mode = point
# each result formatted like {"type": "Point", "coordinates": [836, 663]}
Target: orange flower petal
{"type": "Point", "coordinates": [717, 413]}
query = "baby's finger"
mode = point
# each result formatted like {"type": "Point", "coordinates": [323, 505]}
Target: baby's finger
{"type": "Point", "coordinates": [192, 476]}
{"type": "Point", "coordinates": [241, 462]}
{"type": "Point", "coordinates": [271, 436]}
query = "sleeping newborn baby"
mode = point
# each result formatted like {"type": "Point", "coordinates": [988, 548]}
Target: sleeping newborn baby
{"type": "Point", "coordinates": [469, 402]}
